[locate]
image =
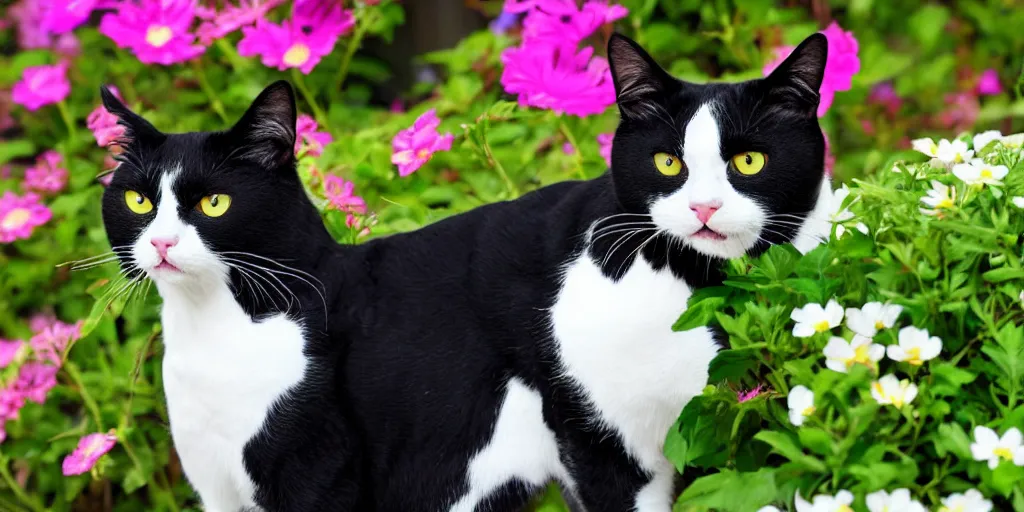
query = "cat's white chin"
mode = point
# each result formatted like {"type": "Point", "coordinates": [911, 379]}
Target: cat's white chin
{"type": "Point", "coordinates": [718, 244]}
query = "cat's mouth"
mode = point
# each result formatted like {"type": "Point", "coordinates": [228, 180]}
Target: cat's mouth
{"type": "Point", "coordinates": [707, 233]}
{"type": "Point", "coordinates": [166, 266]}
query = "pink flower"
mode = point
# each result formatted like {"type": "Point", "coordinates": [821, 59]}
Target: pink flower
{"type": "Point", "coordinates": [558, 78]}
{"type": "Point", "coordinates": [841, 65]}
{"type": "Point", "coordinates": [104, 124]}
{"type": "Point", "coordinates": [157, 31]}
{"type": "Point", "coordinates": [560, 22]}
{"type": "Point", "coordinates": [988, 83]}
{"type": "Point", "coordinates": [300, 42]}
{"type": "Point", "coordinates": [49, 343]}
{"type": "Point", "coordinates": [29, 15]}
{"type": "Point", "coordinates": [62, 16]}
{"type": "Point", "coordinates": [232, 18]}
{"type": "Point", "coordinates": [20, 215]}
{"type": "Point", "coordinates": [884, 94]}
{"type": "Point", "coordinates": [67, 45]}
{"type": "Point", "coordinates": [743, 396]}
{"type": "Point", "coordinates": [8, 351]}
{"type": "Point", "coordinates": [396, 107]}
{"type": "Point", "coordinates": [46, 177]}
{"type": "Point", "coordinates": [962, 110]}
{"type": "Point", "coordinates": [90, 449]}
{"type": "Point", "coordinates": [35, 380]}
{"type": "Point", "coordinates": [42, 85]}
{"type": "Point", "coordinates": [340, 195]}
{"type": "Point", "coordinates": [604, 144]}
{"type": "Point", "coordinates": [308, 138]}
{"type": "Point", "coordinates": [413, 147]}
{"type": "Point", "coordinates": [519, 6]}
{"type": "Point", "coordinates": [42, 321]}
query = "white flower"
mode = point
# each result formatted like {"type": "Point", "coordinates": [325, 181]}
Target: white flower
{"type": "Point", "coordinates": [980, 173]}
{"type": "Point", "coordinates": [1018, 201]}
{"type": "Point", "coordinates": [769, 508]}
{"type": "Point", "coordinates": [988, 446]}
{"type": "Point", "coordinates": [982, 139]}
{"type": "Point", "coordinates": [1015, 141]}
{"type": "Point", "coordinates": [915, 346]}
{"type": "Point", "coordinates": [955, 152]}
{"type": "Point", "coordinates": [801, 404]}
{"type": "Point", "coordinates": [824, 503]}
{"type": "Point", "coordinates": [898, 501]}
{"type": "Point", "coordinates": [813, 318]}
{"type": "Point", "coordinates": [890, 390]}
{"type": "Point", "coordinates": [839, 214]}
{"type": "Point", "coordinates": [926, 146]}
{"type": "Point", "coordinates": [940, 197]}
{"type": "Point", "coordinates": [840, 355]}
{"type": "Point", "coordinates": [970, 501]}
{"type": "Point", "coordinates": [871, 318]}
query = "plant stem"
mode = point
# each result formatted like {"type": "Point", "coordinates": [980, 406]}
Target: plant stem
{"type": "Point", "coordinates": [300, 83]}
{"type": "Point", "coordinates": [19, 493]}
{"type": "Point", "coordinates": [564, 128]}
{"type": "Point", "coordinates": [501, 170]}
{"type": "Point", "coordinates": [204, 84]}
{"type": "Point", "coordinates": [350, 50]}
{"type": "Point", "coordinates": [168, 495]}
{"type": "Point", "coordinates": [76, 377]}
{"type": "Point", "coordinates": [62, 107]}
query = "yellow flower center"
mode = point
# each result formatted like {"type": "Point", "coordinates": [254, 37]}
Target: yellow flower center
{"type": "Point", "coordinates": [958, 158]}
{"type": "Point", "coordinates": [821, 326]}
{"type": "Point", "coordinates": [879, 325]}
{"type": "Point", "coordinates": [986, 173]}
{"type": "Point", "coordinates": [946, 203]}
{"type": "Point", "coordinates": [934, 149]}
{"type": "Point", "coordinates": [860, 355]}
{"type": "Point", "coordinates": [844, 508]}
{"type": "Point", "coordinates": [808, 411]}
{"type": "Point", "coordinates": [158, 35]}
{"type": "Point", "coordinates": [1003, 453]}
{"type": "Point", "coordinates": [297, 55]}
{"type": "Point", "coordinates": [423, 154]}
{"type": "Point", "coordinates": [914, 356]}
{"type": "Point", "coordinates": [16, 218]}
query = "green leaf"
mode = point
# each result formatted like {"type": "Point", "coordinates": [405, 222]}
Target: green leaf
{"type": "Point", "coordinates": [816, 440]}
{"type": "Point", "coordinates": [1006, 476]}
{"type": "Point", "coordinates": [695, 433]}
{"type": "Point", "coordinates": [731, 491]}
{"type": "Point", "coordinates": [732, 364]}
{"type": "Point", "coordinates": [1002, 274]}
{"type": "Point", "coordinates": [949, 380]}
{"type": "Point", "coordinates": [787, 445]}
{"type": "Point", "coordinates": [951, 438]}
{"type": "Point", "coordinates": [133, 479]}
{"type": "Point", "coordinates": [699, 314]}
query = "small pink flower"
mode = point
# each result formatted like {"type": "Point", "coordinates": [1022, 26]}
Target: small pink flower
{"type": "Point", "coordinates": [841, 65]}
{"type": "Point", "coordinates": [90, 449]}
{"type": "Point", "coordinates": [67, 45]}
{"type": "Point", "coordinates": [962, 110]}
{"type": "Point", "coordinates": [60, 16]}
{"type": "Point", "coordinates": [109, 166]}
{"type": "Point", "coordinates": [49, 343]}
{"type": "Point", "coordinates": [308, 138]}
{"type": "Point", "coordinates": [42, 85]}
{"type": "Point", "coordinates": [560, 22]}
{"type": "Point", "coordinates": [20, 215]}
{"type": "Point", "coordinates": [41, 321]}
{"type": "Point", "coordinates": [104, 124]}
{"type": "Point", "coordinates": [558, 78]}
{"type": "Point", "coordinates": [396, 107]}
{"type": "Point", "coordinates": [884, 94]}
{"type": "Point", "coordinates": [35, 380]}
{"type": "Point", "coordinates": [988, 83]}
{"type": "Point", "coordinates": [340, 195]}
{"type": "Point", "coordinates": [232, 18]}
{"type": "Point", "coordinates": [520, 6]}
{"type": "Point", "coordinates": [46, 177]}
{"type": "Point", "coordinates": [744, 396]}
{"type": "Point", "coordinates": [29, 16]}
{"type": "Point", "coordinates": [604, 144]}
{"type": "Point", "coordinates": [300, 42]}
{"type": "Point", "coordinates": [157, 31]}
{"type": "Point", "coordinates": [413, 147]}
{"type": "Point", "coordinates": [568, 149]}
{"type": "Point", "coordinates": [8, 351]}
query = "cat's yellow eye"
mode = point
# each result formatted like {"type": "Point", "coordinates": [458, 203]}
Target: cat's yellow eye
{"type": "Point", "coordinates": [137, 202]}
{"type": "Point", "coordinates": [667, 164]}
{"type": "Point", "coordinates": [215, 205]}
{"type": "Point", "coordinates": [749, 162]}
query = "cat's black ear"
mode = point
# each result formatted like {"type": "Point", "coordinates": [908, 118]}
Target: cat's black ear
{"type": "Point", "coordinates": [137, 129]}
{"type": "Point", "coordinates": [797, 80]}
{"type": "Point", "coordinates": [639, 81]}
{"type": "Point", "coordinates": [266, 131]}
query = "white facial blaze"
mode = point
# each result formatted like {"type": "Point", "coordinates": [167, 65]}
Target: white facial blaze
{"type": "Point", "coordinates": [738, 218]}
{"type": "Point", "coordinates": [189, 254]}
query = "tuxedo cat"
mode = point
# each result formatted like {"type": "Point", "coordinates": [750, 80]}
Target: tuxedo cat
{"type": "Point", "coordinates": [463, 366]}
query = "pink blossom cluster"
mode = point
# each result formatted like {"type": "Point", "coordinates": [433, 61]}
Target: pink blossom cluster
{"type": "Point", "coordinates": [103, 124]}
{"type": "Point", "coordinates": [309, 141]}
{"type": "Point", "coordinates": [843, 62]}
{"type": "Point", "coordinates": [37, 374]}
{"type": "Point", "coordinates": [20, 215]}
{"type": "Point", "coordinates": [46, 176]}
{"type": "Point", "coordinates": [299, 42]}
{"type": "Point", "coordinates": [42, 85]}
{"type": "Point", "coordinates": [89, 450]}
{"type": "Point", "coordinates": [548, 69]}
{"type": "Point", "coordinates": [414, 146]}
{"type": "Point", "coordinates": [156, 31]}
{"type": "Point", "coordinates": [48, 23]}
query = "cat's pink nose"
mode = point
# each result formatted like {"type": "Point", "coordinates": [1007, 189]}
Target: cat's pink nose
{"type": "Point", "coordinates": [704, 211]}
{"type": "Point", "coordinates": [163, 244]}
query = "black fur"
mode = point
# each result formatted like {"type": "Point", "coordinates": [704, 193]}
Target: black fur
{"type": "Point", "coordinates": [423, 329]}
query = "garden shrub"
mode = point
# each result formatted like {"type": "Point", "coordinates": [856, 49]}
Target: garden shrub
{"type": "Point", "coordinates": [82, 417]}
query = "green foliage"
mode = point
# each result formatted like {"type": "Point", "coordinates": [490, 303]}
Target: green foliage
{"type": "Point", "coordinates": [959, 276]}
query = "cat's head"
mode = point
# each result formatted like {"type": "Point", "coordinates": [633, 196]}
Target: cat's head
{"type": "Point", "coordinates": [190, 209]}
{"type": "Point", "coordinates": [727, 169]}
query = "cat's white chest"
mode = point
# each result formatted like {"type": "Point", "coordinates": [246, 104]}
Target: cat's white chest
{"type": "Point", "coordinates": [616, 343]}
{"type": "Point", "coordinates": [222, 373]}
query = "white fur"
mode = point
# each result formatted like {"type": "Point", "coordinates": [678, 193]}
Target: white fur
{"type": "Point", "coordinates": [222, 372]}
{"type": "Point", "coordinates": [739, 218]}
{"type": "Point", "coordinates": [522, 447]}
{"type": "Point", "coordinates": [616, 343]}
{"type": "Point", "coordinates": [817, 227]}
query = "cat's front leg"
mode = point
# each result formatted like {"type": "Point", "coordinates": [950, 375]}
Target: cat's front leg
{"type": "Point", "coordinates": [619, 484]}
